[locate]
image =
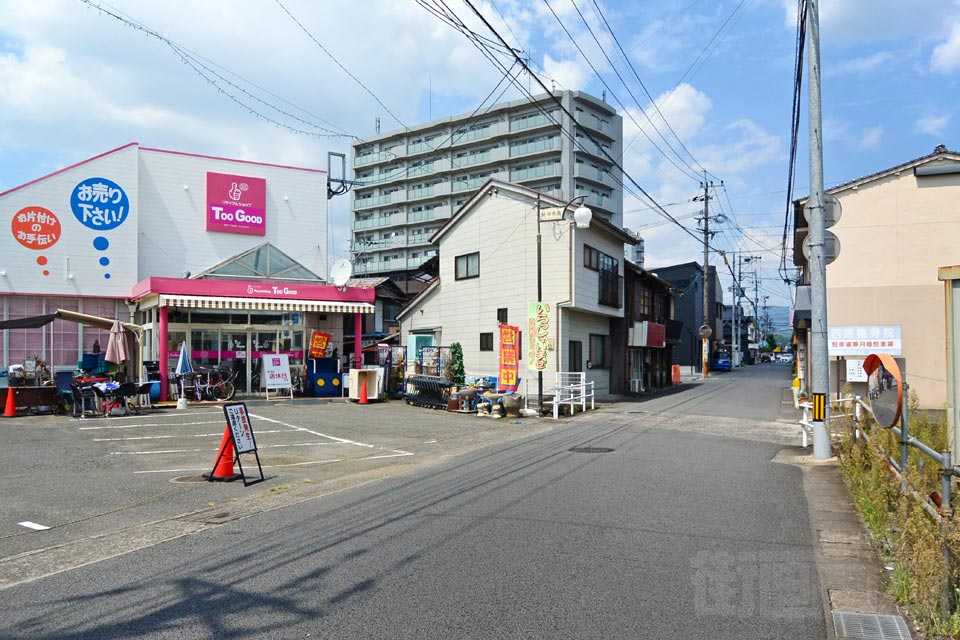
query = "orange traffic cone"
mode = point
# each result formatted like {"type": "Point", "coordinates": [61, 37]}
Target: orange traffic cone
{"type": "Point", "coordinates": [363, 392]}
{"type": "Point", "coordinates": [223, 472]}
{"type": "Point", "coordinates": [10, 411]}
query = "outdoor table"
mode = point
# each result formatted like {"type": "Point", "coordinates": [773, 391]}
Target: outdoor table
{"type": "Point", "coordinates": [34, 397]}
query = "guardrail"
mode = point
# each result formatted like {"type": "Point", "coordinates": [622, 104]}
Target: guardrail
{"type": "Point", "coordinates": [572, 389]}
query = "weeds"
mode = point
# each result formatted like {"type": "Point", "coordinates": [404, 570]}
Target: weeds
{"type": "Point", "coordinates": [906, 535]}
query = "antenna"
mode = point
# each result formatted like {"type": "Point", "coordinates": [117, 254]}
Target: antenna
{"type": "Point", "coordinates": [340, 272]}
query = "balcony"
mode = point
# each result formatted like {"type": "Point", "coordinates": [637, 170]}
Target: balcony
{"type": "Point", "coordinates": [469, 184]}
{"type": "Point", "coordinates": [472, 159]}
{"type": "Point", "coordinates": [484, 133]}
{"type": "Point", "coordinates": [375, 222]}
{"type": "Point", "coordinates": [585, 171]}
{"type": "Point", "coordinates": [552, 169]}
{"type": "Point", "coordinates": [431, 214]}
{"type": "Point", "coordinates": [374, 201]}
{"type": "Point", "coordinates": [370, 158]}
{"type": "Point", "coordinates": [537, 146]}
{"type": "Point", "coordinates": [419, 239]}
{"type": "Point", "coordinates": [525, 123]}
{"type": "Point", "coordinates": [588, 121]}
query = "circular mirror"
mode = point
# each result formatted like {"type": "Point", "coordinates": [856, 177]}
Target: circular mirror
{"type": "Point", "coordinates": [884, 388]}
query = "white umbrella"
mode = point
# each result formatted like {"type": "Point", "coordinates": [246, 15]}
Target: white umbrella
{"type": "Point", "coordinates": [117, 350]}
{"type": "Point", "coordinates": [183, 365]}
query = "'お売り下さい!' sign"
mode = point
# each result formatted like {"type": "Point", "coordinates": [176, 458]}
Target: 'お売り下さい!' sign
{"type": "Point", "coordinates": [99, 204]}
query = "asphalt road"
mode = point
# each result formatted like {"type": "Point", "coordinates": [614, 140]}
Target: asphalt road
{"type": "Point", "coordinates": [687, 528]}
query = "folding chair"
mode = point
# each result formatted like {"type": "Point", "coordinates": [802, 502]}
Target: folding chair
{"type": "Point", "coordinates": [83, 397]}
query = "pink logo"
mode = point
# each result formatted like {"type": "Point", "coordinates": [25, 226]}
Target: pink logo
{"type": "Point", "coordinates": [236, 204]}
{"type": "Point", "coordinates": [276, 362]}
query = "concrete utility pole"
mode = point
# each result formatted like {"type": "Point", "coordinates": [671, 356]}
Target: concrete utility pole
{"type": "Point", "coordinates": [819, 356]}
{"type": "Point", "coordinates": [705, 339]}
{"type": "Point", "coordinates": [735, 312]}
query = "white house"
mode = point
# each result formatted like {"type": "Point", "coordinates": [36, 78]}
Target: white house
{"type": "Point", "coordinates": [488, 275]}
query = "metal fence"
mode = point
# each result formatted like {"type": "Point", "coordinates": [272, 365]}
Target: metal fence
{"type": "Point", "coordinates": [571, 390]}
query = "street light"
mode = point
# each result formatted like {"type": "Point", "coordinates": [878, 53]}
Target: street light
{"type": "Point", "coordinates": [581, 217]}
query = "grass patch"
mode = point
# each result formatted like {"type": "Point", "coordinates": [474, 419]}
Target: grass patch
{"type": "Point", "coordinates": [905, 535]}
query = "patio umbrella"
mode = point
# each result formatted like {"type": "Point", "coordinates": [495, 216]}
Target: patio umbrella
{"type": "Point", "coordinates": [117, 351]}
{"type": "Point", "coordinates": [183, 365]}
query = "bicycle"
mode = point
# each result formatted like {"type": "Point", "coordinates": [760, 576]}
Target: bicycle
{"type": "Point", "coordinates": [217, 385]}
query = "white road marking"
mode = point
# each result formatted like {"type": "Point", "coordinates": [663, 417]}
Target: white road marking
{"type": "Point", "coordinates": [341, 440]}
{"type": "Point", "coordinates": [155, 424]}
{"type": "Point", "coordinates": [390, 455]}
{"type": "Point", "coordinates": [32, 525]}
{"type": "Point", "coordinates": [266, 466]}
{"type": "Point", "coordinates": [268, 446]}
{"type": "Point", "coordinates": [189, 435]}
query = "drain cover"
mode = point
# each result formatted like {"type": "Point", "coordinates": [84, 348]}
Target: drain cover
{"type": "Point", "coordinates": [591, 450]}
{"type": "Point", "coordinates": [869, 626]}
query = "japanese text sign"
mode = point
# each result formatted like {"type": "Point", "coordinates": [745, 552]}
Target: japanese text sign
{"type": "Point", "coordinates": [99, 204]}
{"type": "Point", "coordinates": [864, 340]}
{"type": "Point", "coordinates": [236, 204]}
{"type": "Point", "coordinates": [318, 344]}
{"type": "Point", "coordinates": [538, 319]}
{"type": "Point", "coordinates": [509, 356]}
{"type": "Point", "coordinates": [35, 228]}
{"type": "Point", "coordinates": [239, 422]}
{"type": "Point", "coordinates": [276, 371]}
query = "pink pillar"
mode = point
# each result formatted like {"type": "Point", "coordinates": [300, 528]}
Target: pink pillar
{"type": "Point", "coordinates": [163, 354]}
{"type": "Point", "coordinates": [358, 340]}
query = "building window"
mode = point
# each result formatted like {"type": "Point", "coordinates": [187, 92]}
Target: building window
{"type": "Point", "coordinates": [467, 266]}
{"type": "Point", "coordinates": [486, 342]}
{"type": "Point", "coordinates": [575, 359]}
{"type": "Point", "coordinates": [591, 258]}
{"type": "Point", "coordinates": [599, 352]}
{"type": "Point", "coordinates": [502, 315]}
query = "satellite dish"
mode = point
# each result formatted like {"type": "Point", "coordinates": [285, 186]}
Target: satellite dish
{"type": "Point", "coordinates": [340, 272]}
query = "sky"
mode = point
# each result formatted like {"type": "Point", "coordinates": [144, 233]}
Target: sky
{"type": "Point", "coordinates": [702, 86]}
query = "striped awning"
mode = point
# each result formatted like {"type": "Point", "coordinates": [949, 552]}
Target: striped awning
{"type": "Point", "coordinates": [264, 304]}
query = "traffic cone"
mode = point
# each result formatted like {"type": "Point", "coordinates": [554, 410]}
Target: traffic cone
{"type": "Point", "coordinates": [363, 392]}
{"type": "Point", "coordinates": [223, 472]}
{"type": "Point", "coordinates": [10, 411]}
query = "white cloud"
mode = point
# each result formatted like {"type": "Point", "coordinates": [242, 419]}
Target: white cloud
{"type": "Point", "coordinates": [933, 125]}
{"type": "Point", "coordinates": [863, 65]}
{"type": "Point", "coordinates": [569, 74]}
{"type": "Point", "coordinates": [946, 56]}
{"type": "Point", "coordinates": [871, 137]}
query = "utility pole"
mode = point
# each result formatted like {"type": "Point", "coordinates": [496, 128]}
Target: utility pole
{"type": "Point", "coordinates": [735, 312]}
{"type": "Point", "coordinates": [819, 355]}
{"type": "Point", "coordinates": [705, 328]}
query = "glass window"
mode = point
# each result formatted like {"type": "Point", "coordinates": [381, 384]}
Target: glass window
{"type": "Point", "coordinates": [486, 342]}
{"type": "Point", "coordinates": [467, 266]}
{"type": "Point", "coordinates": [502, 315]}
{"type": "Point", "coordinates": [591, 258]}
{"type": "Point", "coordinates": [599, 351]}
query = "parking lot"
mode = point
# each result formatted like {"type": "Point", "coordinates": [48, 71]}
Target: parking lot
{"type": "Point", "coordinates": [95, 477]}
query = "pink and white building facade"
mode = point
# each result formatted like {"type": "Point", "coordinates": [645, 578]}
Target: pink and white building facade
{"type": "Point", "coordinates": [228, 256]}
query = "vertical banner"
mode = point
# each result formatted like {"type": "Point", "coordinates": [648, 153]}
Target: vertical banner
{"type": "Point", "coordinates": [509, 356]}
{"type": "Point", "coordinates": [538, 321]}
{"type": "Point", "coordinates": [318, 344]}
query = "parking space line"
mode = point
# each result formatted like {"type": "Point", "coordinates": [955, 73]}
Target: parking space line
{"type": "Point", "coordinates": [154, 424]}
{"type": "Point", "coordinates": [268, 446]}
{"type": "Point", "coordinates": [189, 435]}
{"type": "Point", "coordinates": [397, 452]}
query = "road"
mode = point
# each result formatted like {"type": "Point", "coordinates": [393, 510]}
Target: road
{"type": "Point", "coordinates": [665, 518]}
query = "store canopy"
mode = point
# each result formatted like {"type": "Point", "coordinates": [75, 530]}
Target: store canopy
{"type": "Point", "coordinates": [35, 322]}
{"type": "Point", "coordinates": [265, 304]}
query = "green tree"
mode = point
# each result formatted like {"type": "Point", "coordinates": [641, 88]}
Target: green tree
{"type": "Point", "coordinates": [457, 374]}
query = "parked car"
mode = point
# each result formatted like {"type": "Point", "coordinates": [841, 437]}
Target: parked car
{"type": "Point", "coordinates": [721, 362]}
{"type": "Point", "coordinates": [766, 357]}
{"type": "Point", "coordinates": [785, 357]}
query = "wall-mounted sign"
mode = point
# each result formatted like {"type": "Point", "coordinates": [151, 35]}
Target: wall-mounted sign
{"type": "Point", "coordinates": [855, 371]}
{"type": "Point", "coordinates": [538, 321]}
{"type": "Point", "coordinates": [35, 228]}
{"type": "Point", "coordinates": [236, 204]}
{"type": "Point", "coordinates": [509, 356]}
{"type": "Point", "coordinates": [99, 204]}
{"type": "Point", "coordinates": [864, 340]}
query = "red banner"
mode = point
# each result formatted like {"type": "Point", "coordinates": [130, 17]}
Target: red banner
{"type": "Point", "coordinates": [509, 357]}
{"type": "Point", "coordinates": [318, 344]}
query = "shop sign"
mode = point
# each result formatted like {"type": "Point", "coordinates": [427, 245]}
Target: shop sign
{"type": "Point", "coordinates": [236, 204]}
{"type": "Point", "coordinates": [538, 324]}
{"type": "Point", "coordinates": [648, 334]}
{"type": "Point", "coordinates": [276, 369]}
{"type": "Point", "coordinates": [318, 344]}
{"type": "Point", "coordinates": [99, 204]}
{"type": "Point", "coordinates": [509, 356]}
{"type": "Point", "coordinates": [864, 340]}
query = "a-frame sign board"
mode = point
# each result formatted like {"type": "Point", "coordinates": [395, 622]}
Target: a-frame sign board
{"type": "Point", "coordinates": [241, 435]}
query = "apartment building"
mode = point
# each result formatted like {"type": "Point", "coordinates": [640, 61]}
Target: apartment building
{"type": "Point", "coordinates": [412, 181]}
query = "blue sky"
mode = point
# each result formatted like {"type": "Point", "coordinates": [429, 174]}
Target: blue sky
{"type": "Point", "coordinates": [75, 82]}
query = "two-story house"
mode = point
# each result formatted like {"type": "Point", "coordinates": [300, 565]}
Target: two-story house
{"type": "Point", "coordinates": [488, 274]}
